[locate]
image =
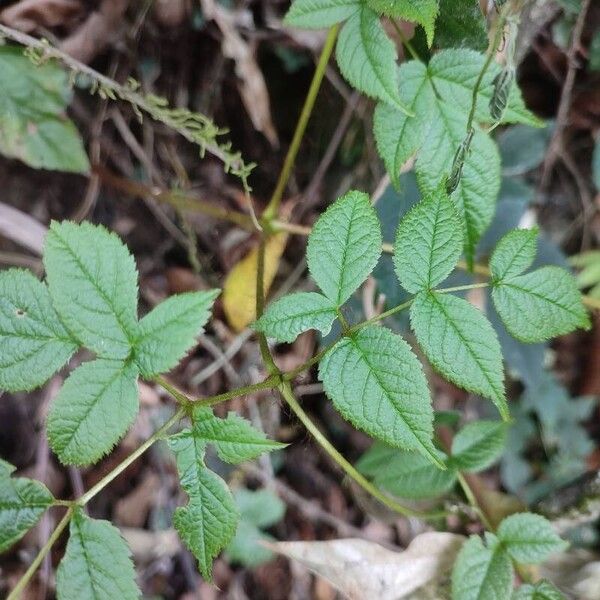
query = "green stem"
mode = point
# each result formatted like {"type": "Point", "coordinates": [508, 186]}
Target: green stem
{"type": "Point", "coordinates": [462, 288]}
{"type": "Point", "coordinates": [37, 561]}
{"type": "Point", "coordinates": [405, 41]}
{"type": "Point", "coordinates": [273, 206]}
{"type": "Point", "coordinates": [268, 384]}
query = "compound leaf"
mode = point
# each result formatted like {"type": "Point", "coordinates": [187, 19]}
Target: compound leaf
{"type": "Point", "coordinates": [478, 445]}
{"type": "Point", "coordinates": [33, 125]}
{"type": "Point", "coordinates": [428, 243]}
{"type": "Point", "coordinates": [423, 12]}
{"type": "Point", "coordinates": [33, 341]}
{"type": "Point", "coordinates": [514, 253]}
{"type": "Point", "coordinates": [97, 563]}
{"type": "Point", "coordinates": [293, 314]}
{"type": "Point", "coordinates": [540, 305]}
{"type": "Point", "coordinates": [93, 410]}
{"type": "Point", "coordinates": [92, 279]}
{"type": "Point", "coordinates": [22, 502]}
{"type": "Point", "coordinates": [317, 14]}
{"type": "Point", "coordinates": [377, 383]}
{"type": "Point", "coordinates": [529, 538]}
{"type": "Point", "coordinates": [344, 246]}
{"type": "Point", "coordinates": [208, 522]}
{"type": "Point", "coordinates": [482, 571]}
{"type": "Point", "coordinates": [461, 344]}
{"type": "Point", "coordinates": [367, 57]}
{"type": "Point", "coordinates": [542, 590]}
{"type": "Point", "coordinates": [170, 330]}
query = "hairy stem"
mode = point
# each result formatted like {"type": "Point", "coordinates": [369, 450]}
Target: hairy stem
{"type": "Point", "coordinates": [273, 206]}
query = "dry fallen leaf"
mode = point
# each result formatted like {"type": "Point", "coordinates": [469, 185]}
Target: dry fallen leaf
{"type": "Point", "coordinates": [239, 290]}
{"type": "Point", "coordinates": [28, 15]}
{"type": "Point", "coordinates": [363, 570]}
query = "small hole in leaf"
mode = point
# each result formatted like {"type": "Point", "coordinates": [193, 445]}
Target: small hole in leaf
{"type": "Point", "coordinates": [20, 312]}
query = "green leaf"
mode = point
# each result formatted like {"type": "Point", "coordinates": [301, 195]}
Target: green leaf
{"type": "Point", "coordinates": [367, 57]}
{"type": "Point", "coordinates": [482, 571]}
{"type": "Point", "coordinates": [542, 590]}
{"type": "Point", "coordinates": [478, 445]}
{"type": "Point", "coordinates": [33, 125]}
{"type": "Point", "coordinates": [596, 165]}
{"type": "Point", "coordinates": [170, 330]}
{"type": "Point", "coordinates": [461, 344]}
{"type": "Point", "coordinates": [33, 342]}
{"type": "Point", "coordinates": [529, 538]}
{"type": "Point", "coordinates": [399, 136]}
{"type": "Point", "coordinates": [540, 305]}
{"type": "Point", "coordinates": [93, 410]}
{"type": "Point", "coordinates": [22, 503]}
{"type": "Point", "coordinates": [514, 253]}
{"type": "Point", "coordinates": [318, 14]}
{"type": "Point", "coordinates": [460, 23]}
{"type": "Point", "coordinates": [377, 383]}
{"type": "Point", "coordinates": [97, 563]}
{"type": "Point", "coordinates": [235, 439]}
{"type": "Point", "coordinates": [423, 12]}
{"type": "Point", "coordinates": [344, 246]}
{"type": "Point", "coordinates": [405, 474]}
{"type": "Point", "coordinates": [93, 284]}
{"type": "Point", "coordinates": [209, 520]}
{"type": "Point", "coordinates": [293, 314]}
{"type": "Point", "coordinates": [428, 243]}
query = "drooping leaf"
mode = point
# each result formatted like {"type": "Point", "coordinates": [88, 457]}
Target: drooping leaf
{"type": "Point", "coordinates": [514, 253]}
{"type": "Point", "coordinates": [540, 305]}
{"type": "Point", "coordinates": [208, 522]}
{"type": "Point", "coordinates": [293, 314]}
{"type": "Point", "coordinates": [377, 383]}
{"type": "Point", "coordinates": [33, 124]}
{"type": "Point", "coordinates": [367, 57]}
{"type": "Point", "coordinates": [428, 243]}
{"type": "Point", "coordinates": [235, 439]}
{"type": "Point", "coordinates": [423, 12]}
{"type": "Point", "coordinates": [97, 563]}
{"type": "Point", "coordinates": [92, 279]}
{"type": "Point", "coordinates": [344, 246]}
{"type": "Point", "coordinates": [542, 590]}
{"type": "Point", "coordinates": [93, 410]}
{"type": "Point", "coordinates": [478, 445]}
{"type": "Point", "coordinates": [318, 14]}
{"type": "Point", "coordinates": [405, 474]}
{"type": "Point", "coordinates": [482, 571]}
{"type": "Point", "coordinates": [33, 341]}
{"type": "Point", "coordinates": [529, 538]}
{"type": "Point", "coordinates": [22, 503]}
{"type": "Point", "coordinates": [461, 344]}
{"type": "Point", "coordinates": [168, 332]}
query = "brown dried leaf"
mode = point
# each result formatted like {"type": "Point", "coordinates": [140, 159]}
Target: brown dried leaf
{"type": "Point", "coordinates": [28, 15]}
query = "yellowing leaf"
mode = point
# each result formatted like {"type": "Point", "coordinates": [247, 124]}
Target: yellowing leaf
{"type": "Point", "coordinates": [239, 291]}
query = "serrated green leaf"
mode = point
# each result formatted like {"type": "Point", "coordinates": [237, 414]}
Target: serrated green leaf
{"type": "Point", "coordinates": [397, 135]}
{"type": "Point", "coordinates": [93, 410]}
{"type": "Point", "coordinates": [377, 383]}
{"type": "Point", "coordinates": [33, 125]}
{"type": "Point", "coordinates": [482, 571]}
{"type": "Point", "coordinates": [529, 538]}
{"type": "Point", "coordinates": [514, 253]}
{"type": "Point", "coordinates": [235, 439]}
{"type": "Point", "coordinates": [97, 563]}
{"type": "Point", "coordinates": [344, 246]}
{"type": "Point", "coordinates": [318, 14]}
{"type": "Point", "coordinates": [461, 344]}
{"type": "Point", "coordinates": [478, 445]}
{"type": "Point", "coordinates": [461, 23]}
{"type": "Point", "coordinates": [22, 503]}
{"type": "Point", "coordinates": [423, 12]}
{"type": "Point", "coordinates": [92, 279]}
{"type": "Point", "coordinates": [209, 520]}
{"type": "Point", "coordinates": [367, 57]}
{"type": "Point", "coordinates": [293, 314]}
{"type": "Point", "coordinates": [540, 305]}
{"type": "Point", "coordinates": [428, 243]}
{"type": "Point", "coordinates": [542, 590]}
{"type": "Point", "coordinates": [33, 342]}
{"type": "Point", "coordinates": [405, 474]}
{"type": "Point", "coordinates": [169, 331]}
